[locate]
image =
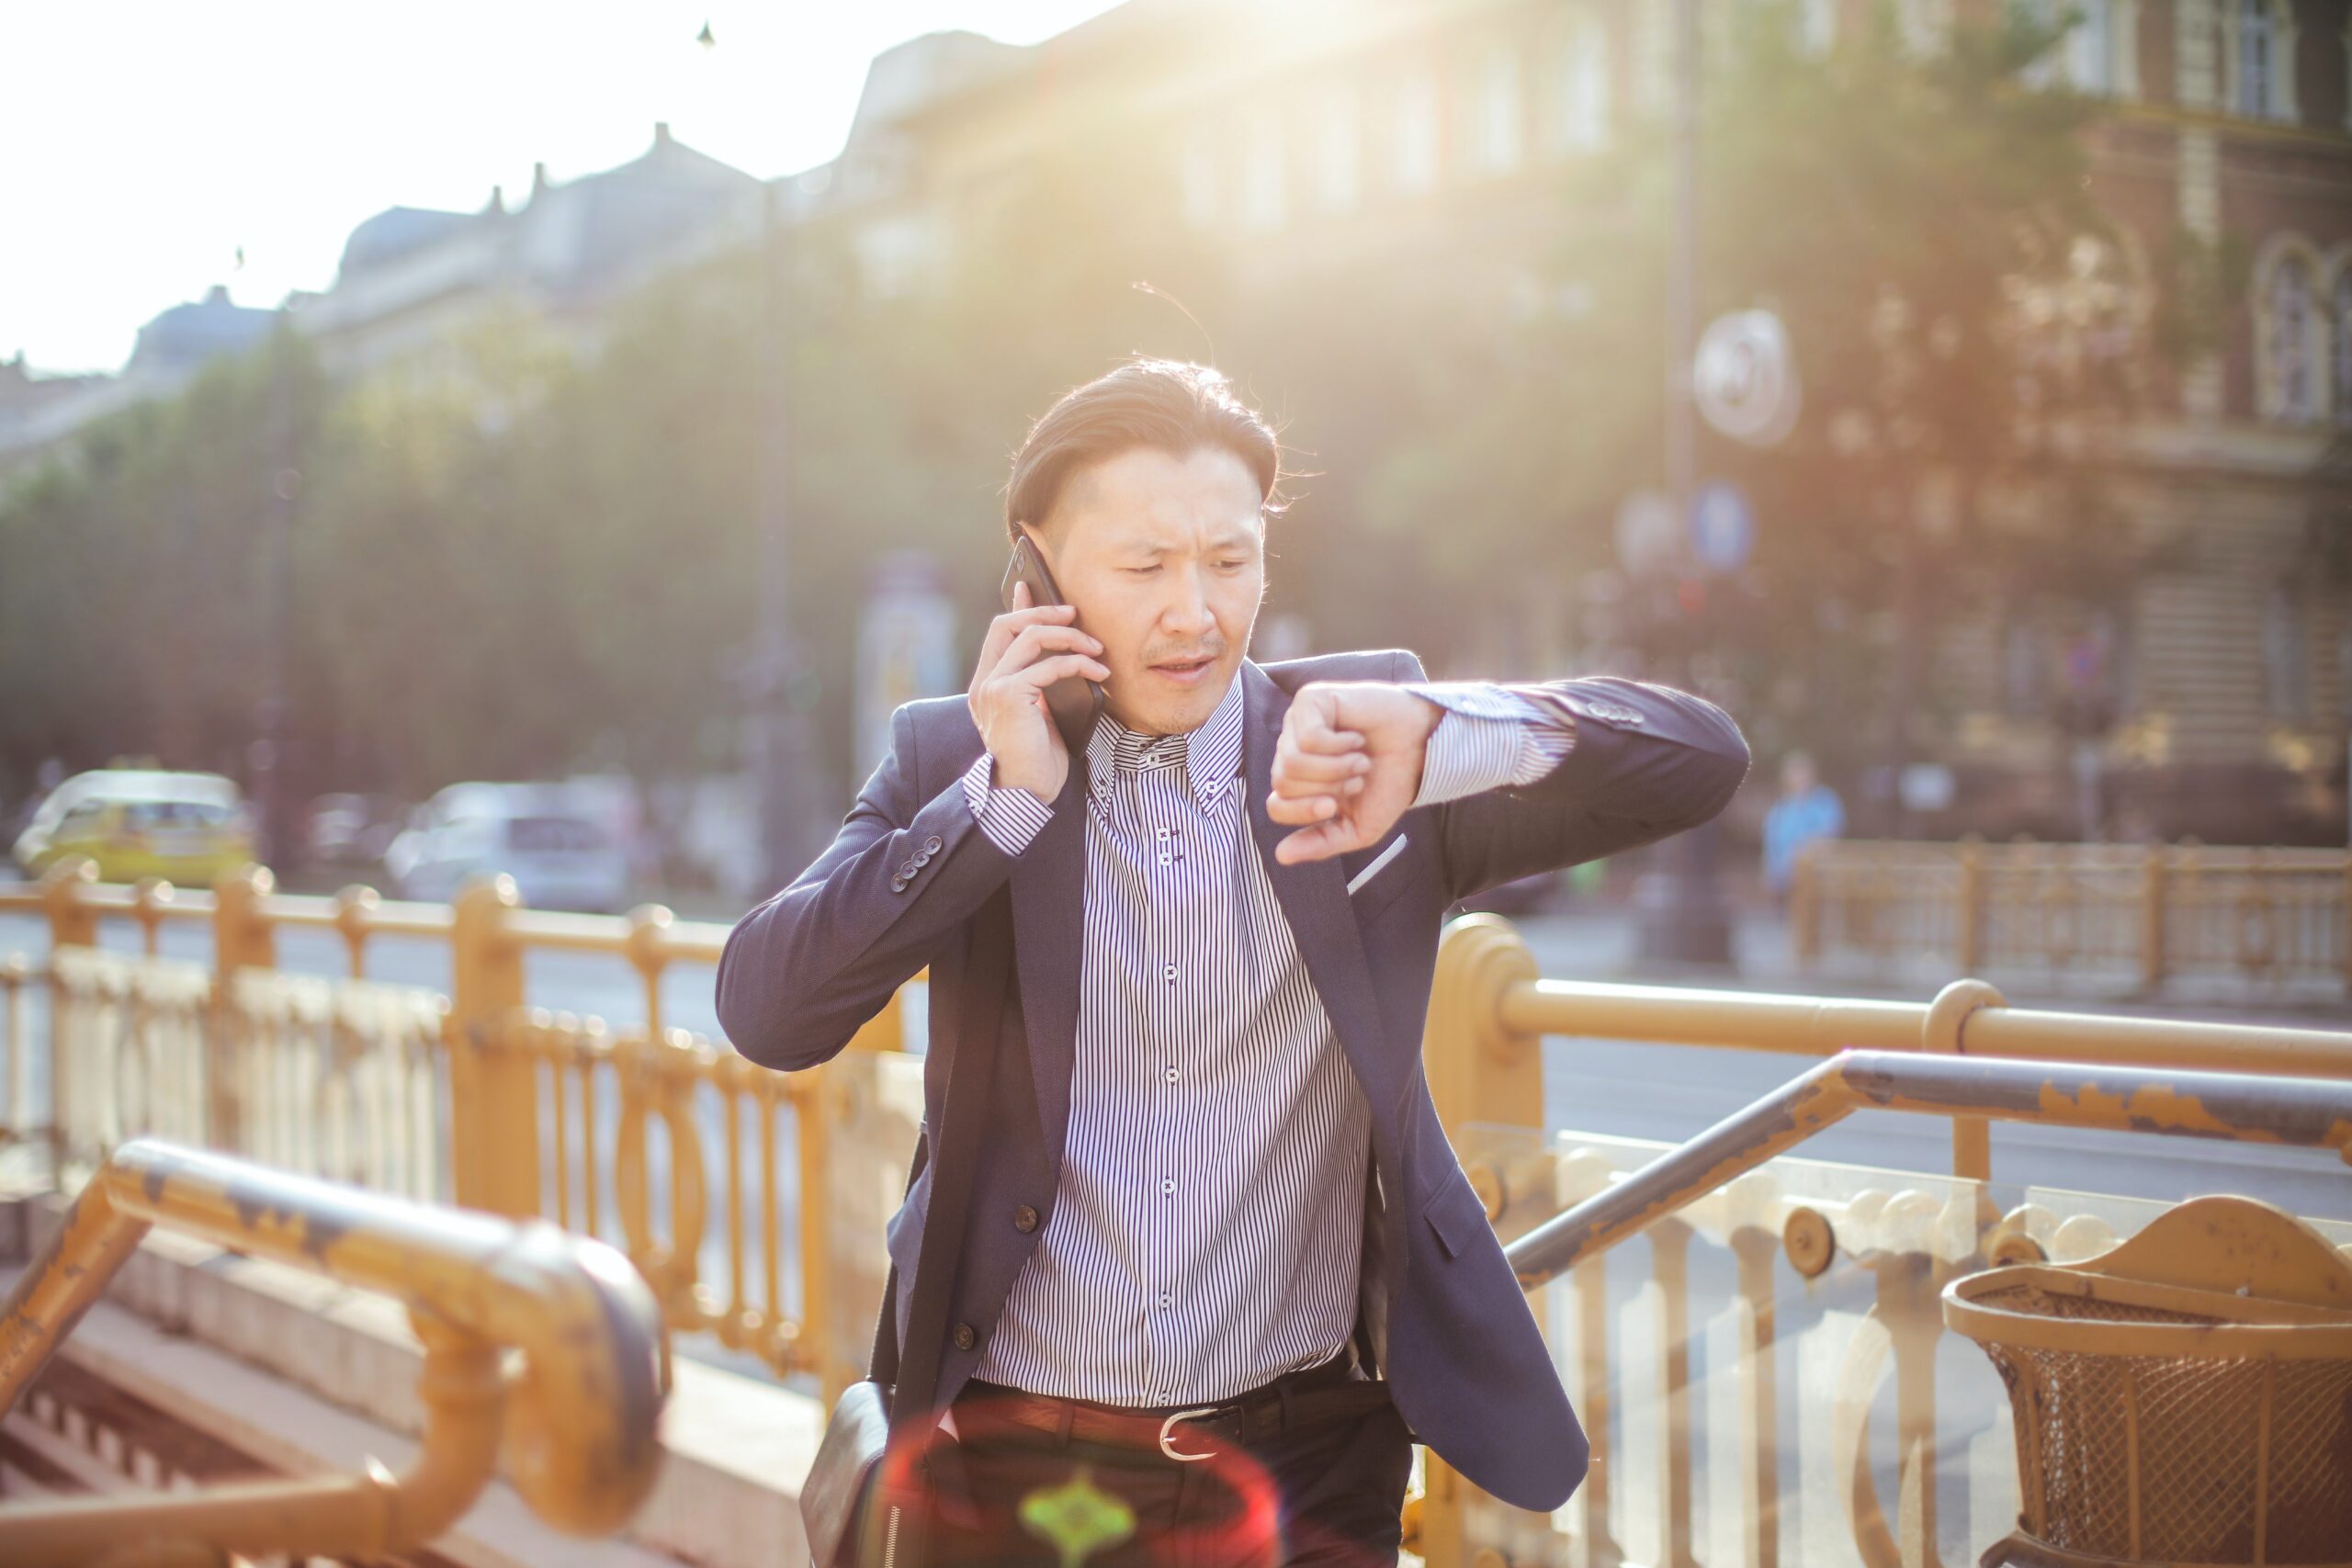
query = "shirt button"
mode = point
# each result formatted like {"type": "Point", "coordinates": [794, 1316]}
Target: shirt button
{"type": "Point", "coordinates": [1171, 1075]}
{"type": "Point", "coordinates": [1168, 1184]}
{"type": "Point", "coordinates": [966, 1337]}
{"type": "Point", "coordinates": [1024, 1219]}
{"type": "Point", "coordinates": [1166, 1300]}
{"type": "Point", "coordinates": [1163, 832]}
{"type": "Point", "coordinates": [1167, 859]}
{"type": "Point", "coordinates": [1169, 973]}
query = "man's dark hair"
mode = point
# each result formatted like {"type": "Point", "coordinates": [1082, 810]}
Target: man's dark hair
{"type": "Point", "coordinates": [1170, 405]}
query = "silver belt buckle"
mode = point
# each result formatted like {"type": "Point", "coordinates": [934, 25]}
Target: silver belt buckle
{"type": "Point", "coordinates": [1167, 1440]}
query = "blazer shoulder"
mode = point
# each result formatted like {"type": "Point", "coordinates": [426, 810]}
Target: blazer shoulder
{"type": "Point", "coordinates": [1357, 664]}
{"type": "Point", "coordinates": [945, 739]}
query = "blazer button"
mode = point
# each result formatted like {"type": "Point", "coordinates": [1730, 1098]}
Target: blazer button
{"type": "Point", "coordinates": [898, 885]}
{"type": "Point", "coordinates": [1024, 1219]}
{"type": "Point", "coordinates": [965, 1337]}
{"type": "Point", "coordinates": [907, 866]}
{"type": "Point", "coordinates": [930, 845]}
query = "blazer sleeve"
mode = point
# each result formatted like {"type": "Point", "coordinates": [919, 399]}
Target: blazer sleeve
{"type": "Point", "coordinates": [801, 974]}
{"type": "Point", "coordinates": [1647, 762]}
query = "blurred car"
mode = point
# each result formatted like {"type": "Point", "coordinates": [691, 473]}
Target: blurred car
{"type": "Point", "coordinates": [543, 835]}
{"type": "Point", "coordinates": [139, 822]}
{"type": "Point", "coordinates": [353, 830]}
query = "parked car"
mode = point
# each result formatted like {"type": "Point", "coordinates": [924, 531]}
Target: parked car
{"type": "Point", "coordinates": [353, 830]}
{"type": "Point", "coordinates": [543, 835]}
{"type": "Point", "coordinates": [139, 822]}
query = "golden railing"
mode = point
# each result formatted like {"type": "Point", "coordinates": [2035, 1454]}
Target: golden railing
{"type": "Point", "coordinates": [2152, 912]}
{"type": "Point", "coordinates": [1700, 1281]}
{"type": "Point", "coordinates": [577, 1428]}
{"type": "Point", "coordinates": [717, 1176]}
{"type": "Point", "coordinates": [666, 1143]}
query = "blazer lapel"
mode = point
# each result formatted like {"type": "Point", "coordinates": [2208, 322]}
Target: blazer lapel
{"type": "Point", "coordinates": [1048, 930]}
{"type": "Point", "coordinates": [1314, 898]}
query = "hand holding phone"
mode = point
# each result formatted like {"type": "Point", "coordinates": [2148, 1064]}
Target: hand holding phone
{"type": "Point", "coordinates": [1028, 649]}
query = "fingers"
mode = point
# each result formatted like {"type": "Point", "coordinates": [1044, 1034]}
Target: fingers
{"type": "Point", "coordinates": [1003, 629]}
{"type": "Point", "coordinates": [1045, 672]}
{"type": "Point", "coordinates": [1308, 728]}
{"type": "Point", "coordinates": [1319, 842]}
{"type": "Point", "coordinates": [1034, 641]}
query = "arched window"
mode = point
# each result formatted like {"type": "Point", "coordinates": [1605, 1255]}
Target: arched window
{"type": "Point", "coordinates": [1496, 135]}
{"type": "Point", "coordinates": [1817, 25]}
{"type": "Point", "coordinates": [2341, 359]}
{"type": "Point", "coordinates": [1417, 131]}
{"type": "Point", "coordinates": [2288, 336]}
{"type": "Point", "coordinates": [1337, 149]}
{"type": "Point", "coordinates": [2089, 48]}
{"type": "Point", "coordinates": [1580, 108]}
{"type": "Point", "coordinates": [1263, 160]}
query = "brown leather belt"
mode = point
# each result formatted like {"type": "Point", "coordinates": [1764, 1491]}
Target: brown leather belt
{"type": "Point", "coordinates": [1295, 1400]}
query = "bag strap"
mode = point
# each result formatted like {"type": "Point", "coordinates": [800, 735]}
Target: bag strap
{"type": "Point", "coordinates": [979, 1023]}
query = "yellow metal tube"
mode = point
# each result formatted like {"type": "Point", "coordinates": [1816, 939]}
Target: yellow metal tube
{"type": "Point", "coordinates": [1821, 1026]}
{"type": "Point", "coordinates": [581, 1442]}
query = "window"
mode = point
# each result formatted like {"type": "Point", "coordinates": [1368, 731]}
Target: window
{"type": "Point", "coordinates": [2259, 49]}
{"type": "Point", "coordinates": [1338, 140]}
{"type": "Point", "coordinates": [2089, 48]}
{"type": "Point", "coordinates": [1817, 25]}
{"type": "Point", "coordinates": [1580, 119]}
{"type": "Point", "coordinates": [2286, 654]}
{"type": "Point", "coordinates": [2341, 321]}
{"type": "Point", "coordinates": [1417, 131]}
{"type": "Point", "coordinates": [1261, 172]}
{"type": "Point", "coordinates": [1923, 24]}
{"type": "Point", "coordinates": [2287, 331]}
{"type": "Point", "coordinates": [1498, 107]}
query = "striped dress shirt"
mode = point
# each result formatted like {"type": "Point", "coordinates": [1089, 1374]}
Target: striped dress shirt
{"type": "Point", "coordinates": [1206, 1233]}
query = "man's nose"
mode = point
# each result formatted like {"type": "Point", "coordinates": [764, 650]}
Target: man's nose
{"type": "Point", "coordinates": [1187, 611]}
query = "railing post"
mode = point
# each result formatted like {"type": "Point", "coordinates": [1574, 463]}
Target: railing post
{"type": "Point", "coordinates": [493, 1092]}
{"type": "Point", "coordinates": [1971, 915]}
{"type": "Point", "coordinates": [241, 938]}
{"type": "Point", "coordinates": [73, 923]}
{"type": "Point", "coordinates": [2151, 916]}
{"type": "Point", "coordinates": [1479, 1073]}
{"type": "Point", "coordinates": [2344, 918]}
{"type": "Point", "coordinates": [1804, 906]}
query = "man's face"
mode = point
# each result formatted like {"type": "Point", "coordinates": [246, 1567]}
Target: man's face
{"type": "Point", "coordinates": [1164, 558]}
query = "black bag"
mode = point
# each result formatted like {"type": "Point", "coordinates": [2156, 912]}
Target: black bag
{"type": "Point", "coordinates": [857, 1511]}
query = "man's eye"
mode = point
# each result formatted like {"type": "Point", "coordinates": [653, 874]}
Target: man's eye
{"type": "Point", "coordinates": [1143, 570]}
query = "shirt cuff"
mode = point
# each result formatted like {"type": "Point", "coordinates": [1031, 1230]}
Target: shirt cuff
{"type": "Point", "coordinates": [1489, 736]}
{"type": "Point", "coordinates": [1009, 815]}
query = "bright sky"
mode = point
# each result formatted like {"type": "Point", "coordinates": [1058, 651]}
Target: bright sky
{"type": "Point", "coordinates": [148, 140]}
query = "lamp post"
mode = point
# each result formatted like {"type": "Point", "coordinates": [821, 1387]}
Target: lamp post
{"type": "Point", "coordinates": [777, 683]}
{"type": "Point", "coordinates": [268, 755]}
{"type": "Point", "coordinates": [1688, 925]}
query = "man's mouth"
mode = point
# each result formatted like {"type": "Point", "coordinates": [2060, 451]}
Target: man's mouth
{"type": "Point", "coordinates": [1183, 669]}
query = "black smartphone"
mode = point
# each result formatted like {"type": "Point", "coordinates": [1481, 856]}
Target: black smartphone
{"type": "Point", "coordinates": [1074, 700]}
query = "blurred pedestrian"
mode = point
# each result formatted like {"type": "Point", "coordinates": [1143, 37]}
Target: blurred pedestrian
{"type": "Point", "coordinates": [1808, 809]}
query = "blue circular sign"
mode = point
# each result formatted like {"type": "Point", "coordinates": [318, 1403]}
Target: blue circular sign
{"type": "Point", "coordinates": [1723, 527]}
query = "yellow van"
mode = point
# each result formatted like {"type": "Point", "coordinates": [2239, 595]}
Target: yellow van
{"type": "Point", "coordinates": [139, 822]}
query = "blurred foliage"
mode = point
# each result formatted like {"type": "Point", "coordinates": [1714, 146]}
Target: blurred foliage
{"type": "Point", "coordinates": [511, 560]}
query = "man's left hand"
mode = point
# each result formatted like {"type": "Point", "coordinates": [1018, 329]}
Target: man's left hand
{"type": "Point", "coordinates": [1348, 765]}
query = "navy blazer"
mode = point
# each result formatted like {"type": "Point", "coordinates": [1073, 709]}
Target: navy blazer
{"type": "Point", "coordinates": [1447, 1321]}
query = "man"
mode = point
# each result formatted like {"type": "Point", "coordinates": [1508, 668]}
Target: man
{"type": "Point", "coordinates": [1215, 1191]}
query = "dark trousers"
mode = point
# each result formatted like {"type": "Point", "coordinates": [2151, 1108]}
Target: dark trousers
{"type": "Point", "coordinates": [1329, 1493]}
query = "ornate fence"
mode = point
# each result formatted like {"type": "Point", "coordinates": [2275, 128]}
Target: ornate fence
{"type": "Point", "coordinates": [1763, 1373]}
{"type": "Point", "coordinates": [2151, 913]}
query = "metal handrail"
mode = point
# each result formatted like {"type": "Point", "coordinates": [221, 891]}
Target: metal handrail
{"type": "Point", "coordinates": [1821, 1026]}
{"type": "Point", "coordinates": [582, 1444]}
{"type": "Point", "coordinates": [2305, 1112]}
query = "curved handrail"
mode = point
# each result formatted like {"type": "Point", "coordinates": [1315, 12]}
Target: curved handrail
{"type": "Point", "coordinates": [582, 1445]}
{"type": "Point", "coordinates": [2306, 1113]}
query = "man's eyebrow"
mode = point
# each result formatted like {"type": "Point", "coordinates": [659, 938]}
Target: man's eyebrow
{"type": "Point", "coordinates": [1238, 540]}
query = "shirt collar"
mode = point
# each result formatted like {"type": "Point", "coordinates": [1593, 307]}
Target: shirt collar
{"type": "Point", "coordinates": [1210, 755]}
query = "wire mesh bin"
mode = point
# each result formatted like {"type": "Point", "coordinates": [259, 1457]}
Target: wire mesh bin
{"type": "Point", "coordinates": [2185, 1399]}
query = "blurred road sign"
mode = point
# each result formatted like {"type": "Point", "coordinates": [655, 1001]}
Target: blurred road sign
{"type": "Point", "coordinates": [1723, 527]}
{"type": "Point", "coordinates": [1649, 535]}
{"type": "Point", "coordinates": [1744, 377]}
